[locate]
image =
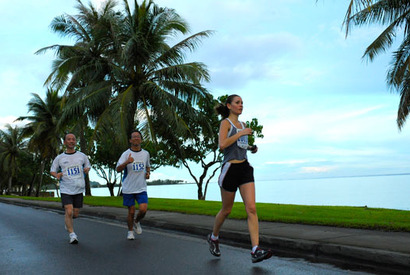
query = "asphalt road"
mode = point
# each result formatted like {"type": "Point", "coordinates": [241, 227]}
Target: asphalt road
{"type": "Point", "coordinates": [33, 241]}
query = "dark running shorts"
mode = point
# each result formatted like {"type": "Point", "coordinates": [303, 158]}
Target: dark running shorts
{"type": "Point", "coordinates": [76, 200]}
{"type": "Point", "coordinates": [235, 174]}
{"type": "Point", "coordinates": [129, 199]}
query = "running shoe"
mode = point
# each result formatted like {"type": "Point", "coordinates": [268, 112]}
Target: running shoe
{"type": "Point", "coordinates": [130, 235]}
{"type": "Point", "coordinates": [213, 246]}
{"type": "Point", "coordinates": [73, 238]}
{"type": "Point", "coordinates": [260, 255]}
{"type": "Point", "coordinates": [137, 228]}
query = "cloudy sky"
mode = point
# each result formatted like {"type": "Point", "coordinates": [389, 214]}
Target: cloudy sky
{"type": "Point", "coordinates": [326, 112]}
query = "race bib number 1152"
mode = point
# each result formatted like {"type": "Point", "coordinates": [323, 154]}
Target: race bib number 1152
{"type": "Point", "coordinates": [138, 166]}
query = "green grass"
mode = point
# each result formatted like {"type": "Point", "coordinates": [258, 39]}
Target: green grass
{"type": "Point", "coordinates": [341, 216]}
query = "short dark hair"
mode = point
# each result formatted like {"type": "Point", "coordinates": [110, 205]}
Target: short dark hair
{"type": "Point", "coordinates": [69, 133]}
{"type": "Point", "coordinates": [135, 131]}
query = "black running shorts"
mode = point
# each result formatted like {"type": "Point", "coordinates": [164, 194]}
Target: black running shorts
{"type": "Point", "coordinates": [76, 200]}
{"type": "Point", "coordinates": [235, 174]}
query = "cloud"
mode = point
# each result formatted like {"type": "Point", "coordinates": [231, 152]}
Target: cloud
{"type": "Point", "coordinates": [236, 60]}
{"type": "Point", "coordinates": [334, 152]}
{"type": "Point", "coordinates": [315, 170]}
{"type": "Point", "coordinates": [10, 120]}
{"type": "Point", "coordinates": [288, 121]}
{"type": "Point", "coordinates": [288, 162]}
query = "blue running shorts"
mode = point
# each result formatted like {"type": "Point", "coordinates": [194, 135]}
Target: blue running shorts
{"type": "Point", "coordinates": [129, 199]}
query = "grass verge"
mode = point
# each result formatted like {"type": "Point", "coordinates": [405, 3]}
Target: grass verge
{"type": "Point", "coordinates": [341, 216]}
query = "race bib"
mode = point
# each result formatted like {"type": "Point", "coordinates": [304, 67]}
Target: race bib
{"type": "Point", "coordinates": [74, 172]}
{"type": "Point", "coordinates": [138, 166]}
{"type": "Point", "coordinates": [242, 142]}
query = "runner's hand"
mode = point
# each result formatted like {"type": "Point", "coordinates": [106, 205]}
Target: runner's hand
{"type": "Point", "coordinates": [130, 159]}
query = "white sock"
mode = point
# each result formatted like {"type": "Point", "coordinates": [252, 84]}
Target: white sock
{"type": "Point", "coordinates": [254, 248]}
{"type": "Point", "coordinates": [214, 237]}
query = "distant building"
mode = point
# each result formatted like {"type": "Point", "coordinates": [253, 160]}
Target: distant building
{"type": "Point", "coordinates": [95, 184]}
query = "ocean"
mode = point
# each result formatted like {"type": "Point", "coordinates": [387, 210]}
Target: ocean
{"type": "Point", "coordinates": [387, 191]}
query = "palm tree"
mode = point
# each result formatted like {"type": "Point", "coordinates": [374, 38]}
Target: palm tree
{"type": "Point", "coordinates": [12, 146]}
{"type": "Point", "coordinates": [82, 68]}
{"type": "Point", "coordinates": [395, 15]}
{"type": "Point", "coordinates": [152, 79]}
{"type": "Point", "coordinates": [45, 128]}
{"type": "Point", "coordinates": [122, 68]}
{"type": "Point", "coordinates": [85, 62]}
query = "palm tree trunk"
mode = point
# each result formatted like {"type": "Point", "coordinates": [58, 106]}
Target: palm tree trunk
{"type": "Point", "coordinates": [42, 165]}
{"type": "Point", "coordinates": [9, 185]}
{"type": "Point", "coordinates": [30, 188]}
{"type": "Point", "coordinates": [83, 146]}
{"type": "Point", "coordinates": [24, 189]}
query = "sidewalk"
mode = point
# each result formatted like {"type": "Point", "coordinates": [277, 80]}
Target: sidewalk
{"type": "Point", "coordinates": [376, 251]}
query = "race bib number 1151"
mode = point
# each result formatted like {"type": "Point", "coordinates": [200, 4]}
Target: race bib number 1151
{"type": "Point", "coordinates": [74, 172]}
